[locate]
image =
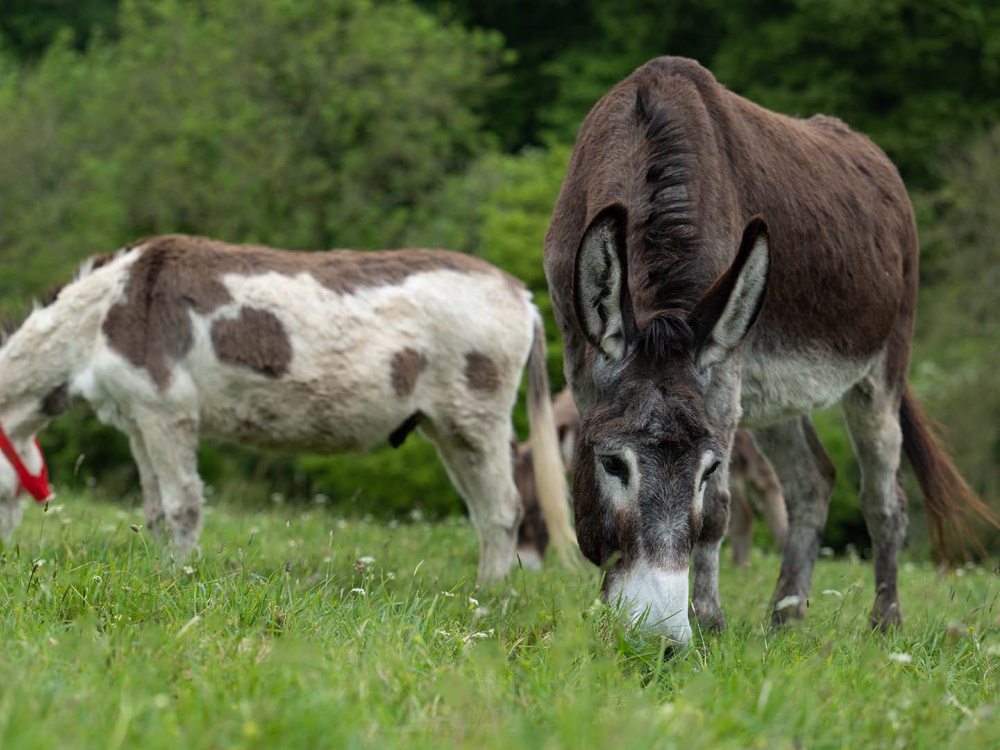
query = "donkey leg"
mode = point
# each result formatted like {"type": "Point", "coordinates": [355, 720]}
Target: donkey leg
{"type": "Point", "coordinates": [872, 413]}
{"type": "Point", "coordinates": [740, 521]}
{"type": "Point", "coordinates": [171, 445]}
{"type": "Point", "coordinates": [151, 502]}
{"type": "Point", "coordinates": [807, 475]}
{"type": "Point", "coordinates": [478, 462]}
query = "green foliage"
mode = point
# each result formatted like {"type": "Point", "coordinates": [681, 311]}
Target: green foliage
{"type": "Point", "coordinates": [283, 633]}
{"type": "Point", "coordinates": [299, 124]}
{"type": "Point", "coordinates": [28, 27]}
{"type": "Point", "coordinates": [959, 324]}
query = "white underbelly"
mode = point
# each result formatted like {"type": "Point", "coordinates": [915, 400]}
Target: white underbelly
{"type": "Point", "coordinates": [775, 389]}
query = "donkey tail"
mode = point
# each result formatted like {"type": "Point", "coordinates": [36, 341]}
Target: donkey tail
{"type": "Point", "coordinates": [949, 500]}
{"type": "Point", "coordinates": [550, 472]}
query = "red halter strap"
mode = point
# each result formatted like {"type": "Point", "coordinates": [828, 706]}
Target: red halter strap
{"type": "Point", "coordinates": [37, 486]}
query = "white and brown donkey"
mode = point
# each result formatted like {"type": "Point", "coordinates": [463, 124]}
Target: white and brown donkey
{"type": "Point", "coordinates": [657, 279]}
{"type": "Point", "coordinates": [178, 337]}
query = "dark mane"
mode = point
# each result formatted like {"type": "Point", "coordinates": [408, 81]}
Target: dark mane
{"type": "Point", "coordinates": [666, 337]}
{"type": "Point", "coordinates": [666, 223]}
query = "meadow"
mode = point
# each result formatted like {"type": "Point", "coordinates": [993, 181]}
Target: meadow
{"type": "Point", "coordinates": [294, 627]}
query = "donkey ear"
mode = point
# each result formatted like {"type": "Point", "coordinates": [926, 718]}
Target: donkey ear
{"type": "Point", "coordinates": [600, 295]}
{"type": "Point", "coordinates": [728, 310]}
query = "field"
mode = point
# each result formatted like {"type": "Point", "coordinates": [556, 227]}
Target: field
{"type": "Point", "coordinates": [298, 629]}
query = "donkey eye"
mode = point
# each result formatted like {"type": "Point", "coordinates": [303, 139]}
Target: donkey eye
{"type": "Point", "coordinates": [615, 467]}
{"type": "Point", "coordinates": [709, 472]}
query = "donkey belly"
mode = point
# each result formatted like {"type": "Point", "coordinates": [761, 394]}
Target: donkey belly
{"type": "Point", "coordinates": [779, 386]}
{"type": "Point", "coordinates": [303, 417]}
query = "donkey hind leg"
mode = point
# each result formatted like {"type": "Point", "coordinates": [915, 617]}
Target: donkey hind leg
{"type": "Point", "coordinates": [740, 520]}
{"type": "Point", "coordinates": [478, 461]}
{"type": "Point", "coordinates": [872, 412]}
{"type": "Point", "coordinates": [807, 475]}
{"type": "Point", "coordinates": [151, 502]}
{"type": "Point", "coordinates": [171, 446]}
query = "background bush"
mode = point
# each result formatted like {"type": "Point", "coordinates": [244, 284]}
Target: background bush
{"type": "Point", "coordinates": [317, 123]}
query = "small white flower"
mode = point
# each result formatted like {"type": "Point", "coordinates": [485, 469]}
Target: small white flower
{"type": "Point", "coordinates": [416, 515]}
{"type": "Point", "coordinates": [367, 559]}
{"type": "Point", "coordinates": [448, 594]}
{"type": "Point", "coordinates": [359, 591]}
{"type": "Point", "coordinates": [901, 658]}
{"type": "Point", "coordinates": [788, 601]}
{"type": "Point", "coordinates": [473, 602]}
{"type": "Point", "coordinates": [189, 570]}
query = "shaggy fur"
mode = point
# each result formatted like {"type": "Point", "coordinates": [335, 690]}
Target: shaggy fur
{"type": "Point", "coordinates": [181, 337]}
{"type": "Point", "coordinates": [651, 228]}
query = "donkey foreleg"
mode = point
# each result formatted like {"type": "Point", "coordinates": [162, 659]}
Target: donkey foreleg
{"type": "Point", "coordinates": [171, 447]}
{"type": "Point", "coordinates": [807, 475]}
{"type": "Point", "coordinates": [151, 502]}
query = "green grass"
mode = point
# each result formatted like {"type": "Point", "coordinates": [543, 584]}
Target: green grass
{"type": "Point", "coordinates": [278, 636]}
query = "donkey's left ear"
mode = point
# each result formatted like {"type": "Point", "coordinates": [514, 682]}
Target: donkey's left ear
{"type": "Point", "coordinates": [727, 311]}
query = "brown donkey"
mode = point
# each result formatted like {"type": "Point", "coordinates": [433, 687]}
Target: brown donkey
{"type": "Point", "coordinates": [657, 279]}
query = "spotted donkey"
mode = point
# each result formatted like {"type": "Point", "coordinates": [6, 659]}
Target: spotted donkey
{"type": "Point", "coordinates": [179, 337]}
{"type": "Point", "coordinates": [657, 279]}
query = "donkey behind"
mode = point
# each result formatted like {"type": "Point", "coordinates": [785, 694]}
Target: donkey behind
{"type": "Point", "coordinates": [178, 337]}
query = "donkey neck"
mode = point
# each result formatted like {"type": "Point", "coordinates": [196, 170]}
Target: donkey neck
{"type": "Point", "coordinates": [54, 345]}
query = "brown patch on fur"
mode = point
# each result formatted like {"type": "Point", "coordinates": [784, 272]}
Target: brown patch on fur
{"type": "Point", "coordinates": [407, 365]}
{"type": "Point", "coordinates": [255, 339]}
{"type": "Point", "coordinates": [56, 401]}
{"type": "Point", "coordinates": [177, 273]}
{"type": "Point", "coordinates": [481, 372]}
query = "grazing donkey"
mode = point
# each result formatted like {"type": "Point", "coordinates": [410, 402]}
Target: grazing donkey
{"type": "Point", "coordinates": [657, 278]}
{"type": "Point", "coordinates": [178, 337]}
{"type": "Point", "coordinates": [748, 467]}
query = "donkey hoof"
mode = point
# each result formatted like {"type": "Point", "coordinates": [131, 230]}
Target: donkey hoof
{"type": "Point", "coordinates": [786, 610]}
{"type": "Point", "coordinates": [710, 617]}
{"type": "Point", "coordinates": [886, 616]}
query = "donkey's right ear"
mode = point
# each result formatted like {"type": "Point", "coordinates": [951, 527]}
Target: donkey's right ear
{"type": "Point", "coordinates": [600, 284]}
